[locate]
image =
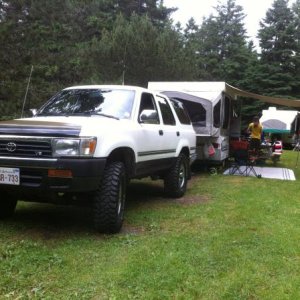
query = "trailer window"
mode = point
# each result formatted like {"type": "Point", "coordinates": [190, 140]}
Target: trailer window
{"type": "Point", "coordinates": [197, 113]}
{"type": "Point", "coordinates": [181, 112]}
{"type": "Point", "coordinates": [166, 111]}
{"type": "Point", "coordinates": [217, 110]}
{"type": "Point", "coordinates": [226, 112]}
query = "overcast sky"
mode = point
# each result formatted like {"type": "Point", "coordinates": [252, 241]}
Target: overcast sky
{"type": "Point", "coordinates": [255, 11]}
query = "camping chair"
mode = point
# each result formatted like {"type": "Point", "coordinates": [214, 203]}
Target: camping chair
{"type": "Point", "coordinates": [244, 160]}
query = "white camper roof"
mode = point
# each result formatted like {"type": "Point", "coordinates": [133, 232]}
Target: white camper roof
{"type": "Point", "coordinates": [211, 90]}
{"type": "Point", "coordinates": [205, 90]}
{"type": "Point", "coordinates": [274, 120]}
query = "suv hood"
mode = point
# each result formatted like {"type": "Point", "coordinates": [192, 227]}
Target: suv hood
{"type": "Point", "coordinates": [53, 126]}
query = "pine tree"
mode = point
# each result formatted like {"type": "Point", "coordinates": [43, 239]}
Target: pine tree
{"type": "Point", "coordinates": [223, 44]}
{"type": "Point", "coordinates": [137, 51]}
{"type": "Point", "coordinates": [13, 53]}
{"type": "Point", "coordinates": [276, 76]}
{"type": "Point", "coordinates": [296, 11]}
{"type": "Point", "coordinates": [154, 9]}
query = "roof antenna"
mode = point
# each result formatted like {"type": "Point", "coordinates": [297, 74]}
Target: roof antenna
{"type": "Point", "coordinates": [124, 65]}
{"type": "Point", "coordinates": [25, 97]}
{"type": "Point", "coordinates": [123, 74]}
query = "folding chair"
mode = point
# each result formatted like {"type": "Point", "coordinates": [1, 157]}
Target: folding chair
{"type": "Point", "coordinates": [244, 162]}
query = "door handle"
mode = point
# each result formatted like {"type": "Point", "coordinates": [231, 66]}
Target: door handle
{"type": "Point", "coordinates": [161, 132]}
{"type": "Point", "coordinates": [177, 133]}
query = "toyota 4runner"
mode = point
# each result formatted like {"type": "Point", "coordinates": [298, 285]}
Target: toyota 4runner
{"type": "Point", "coordinates": [87, 142]}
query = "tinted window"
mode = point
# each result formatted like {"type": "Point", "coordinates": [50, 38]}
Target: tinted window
{"type": "Point", "coordinates": [181, 112]}
{"type": "Point", "coordinates": [166, 111]}
{"type": "Point", "coordinates": [148, 103]}
{"type": "Point", "coordinates": [217, 110]}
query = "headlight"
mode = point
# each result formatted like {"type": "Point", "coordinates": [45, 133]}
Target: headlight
{"type": "Point", "coordinates": [74, 147]}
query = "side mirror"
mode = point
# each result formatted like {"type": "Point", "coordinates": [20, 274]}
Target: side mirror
{"type": "Point", "coordinates": [29, 113]}
{"type": "Point", "coordinates": [149, 116]}
{"type": "Point", "coordinates": [33, 111]}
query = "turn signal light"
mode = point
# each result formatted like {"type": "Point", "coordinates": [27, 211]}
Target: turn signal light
{"type": "Point", "coordinates": [60, 173]}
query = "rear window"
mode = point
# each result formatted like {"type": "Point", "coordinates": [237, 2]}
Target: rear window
{"type": "Point", "coordinates": [166, 111]}
{"type": "Point", "coordinates": [181, 112]}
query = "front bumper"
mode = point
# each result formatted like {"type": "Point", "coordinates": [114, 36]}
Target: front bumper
{"type": "Point", "coordinates": [86, 174]}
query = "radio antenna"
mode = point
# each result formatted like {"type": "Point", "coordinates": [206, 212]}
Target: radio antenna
{"type": "Point", "coordinates": [25, 97]}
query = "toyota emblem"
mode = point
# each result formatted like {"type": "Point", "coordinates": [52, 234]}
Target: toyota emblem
{"type": "Point", "coordinates": [11, 147]}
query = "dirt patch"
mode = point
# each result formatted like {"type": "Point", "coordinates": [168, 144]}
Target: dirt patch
{"type": "Point", "coordinates": [130, 229]}
{"type": "Point", "coordinates": [49, 222]}
{"type": "Point", "coordinates": [190, 200]}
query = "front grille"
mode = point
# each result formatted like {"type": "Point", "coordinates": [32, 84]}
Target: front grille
{"type": "Point", "coordinates": [25, 148]}
{"type": "Point", "coordinates": [31, 177]}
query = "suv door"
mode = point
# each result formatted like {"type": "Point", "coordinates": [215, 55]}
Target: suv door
{"type": "Point", "coordinates": [149, 138]}
{"type": "Point", "coordinates": [170, 132]}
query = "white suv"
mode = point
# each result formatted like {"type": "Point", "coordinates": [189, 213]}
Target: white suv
{"type": "Point", "coordinates": [87, 142]}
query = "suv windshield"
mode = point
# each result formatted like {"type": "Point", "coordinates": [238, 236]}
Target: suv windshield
{"type": "Point", "coordinates": [116, 103]}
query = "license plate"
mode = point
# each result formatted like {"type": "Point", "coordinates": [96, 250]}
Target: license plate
{"type": "Point", "coordinates": [10, 176]}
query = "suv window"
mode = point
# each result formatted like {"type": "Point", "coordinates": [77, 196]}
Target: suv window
{"type": "Point", "coordinates": [181, 112]}
{"type": "Point", "coordinates": [167, 115]}
{"type": "Point", "coordinates": [148, 102]}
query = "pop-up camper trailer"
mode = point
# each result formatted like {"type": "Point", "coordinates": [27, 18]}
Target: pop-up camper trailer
{"type": "Point", "coordinates": [214, 112]}
{"type": "Point", "coordinates": [278, 123]}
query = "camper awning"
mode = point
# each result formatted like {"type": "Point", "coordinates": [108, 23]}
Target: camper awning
{"type": "Point", "coordinates": [233, 91]}
{"type": "Point", "coordinates": [211, 90]}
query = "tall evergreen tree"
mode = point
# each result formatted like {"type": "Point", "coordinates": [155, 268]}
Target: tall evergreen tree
{"type": "Point", "coordinates": [13, 54]}
{"type": "Point", "coordinates": [223, 44]}
{"type": "Point", "coordinates": [139, 52]}
{"type": "Point", "coordinates": [191, 48]}
{"type": "Point", "coordinates": [296, 11]}
{"type": "Point", "coordinates": [154, 9]}
{"type": "Point", "coordinates": [276, 76]}
{"type": "Point", "coordinates": [60, 39]}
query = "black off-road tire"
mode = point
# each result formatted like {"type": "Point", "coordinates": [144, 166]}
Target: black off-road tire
{"type": "Point", "coordinates": [7, 206]}
{"type": "Point", "coordinates": [175, 182]}
{"type": "Point", "coordinates": [109, 199]}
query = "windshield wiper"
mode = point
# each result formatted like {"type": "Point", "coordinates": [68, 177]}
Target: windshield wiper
{"type": "Point", "coordinates": [44, 114]}
{"type": "Point", "coordinates": [97, 113]}
{"type": "Point", "coordinates": [86, 113]}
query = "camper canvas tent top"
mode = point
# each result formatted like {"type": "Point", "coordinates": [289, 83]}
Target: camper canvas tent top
{"type": "Point", "coordinates": [202, 100]}
{"type": "Point", "coordinates": [212, 111]}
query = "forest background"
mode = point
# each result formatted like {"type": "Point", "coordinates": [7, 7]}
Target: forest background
{"type": "Point", "coordinates": [72, 42]}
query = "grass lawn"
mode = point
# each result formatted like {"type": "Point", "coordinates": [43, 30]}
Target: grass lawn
{"type": "Point", "coordinates": [230, 237]}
